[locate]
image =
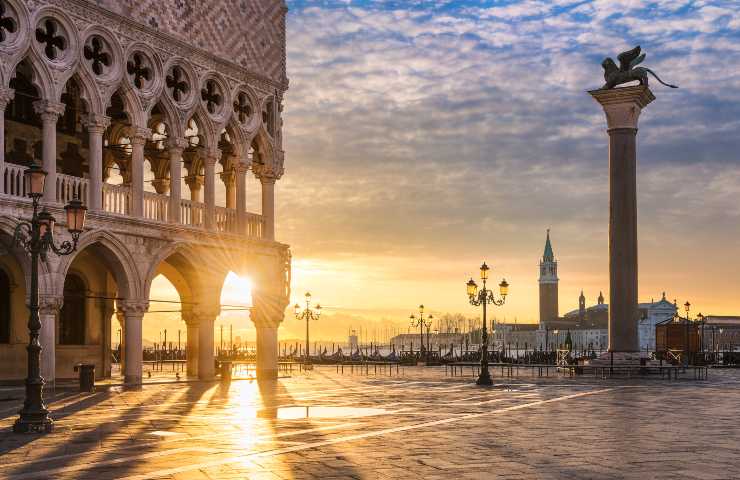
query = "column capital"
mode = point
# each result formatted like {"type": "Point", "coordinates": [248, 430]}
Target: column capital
{"type": "Point", "coordinates": [241, 168]}
{"type": "Point", "coordinates": [161, 185]}
{"type": "Point", "coordinates": [50, 304]}
{"type": "Point", "coordinates": [96, 123]}
{"type": "Point", "coordinates": [49, 111]}
{"type": "Point", "coordinates": [228, 177]}
{"type": "Point", "coordinates": [212, 155]}
{"type": "Point", "coordinates": [139, 135]}
{"type": "Point", "coordinates": [6, 95]}
{"type": "Point", "coordinates": [194, 181]}
{"type": "Point", "coordinates": [623, 106]}
{"type": "Point", "coordinates": [132, 307]}
{"type": "Point", "coordinates": [178, 144]}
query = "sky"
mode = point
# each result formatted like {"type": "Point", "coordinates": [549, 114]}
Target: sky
{"type": "Point", "coordinates": [424, 137]}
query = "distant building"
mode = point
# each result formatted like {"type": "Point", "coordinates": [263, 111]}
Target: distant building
{"type": "Point", "coordinates": [588, 326]}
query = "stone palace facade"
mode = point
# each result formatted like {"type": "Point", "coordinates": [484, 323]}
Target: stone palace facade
{"type": "Point", "coordinates": [141, 108]}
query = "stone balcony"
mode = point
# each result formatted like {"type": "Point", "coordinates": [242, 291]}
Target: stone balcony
{"type": "Point", "coordinates": [116, 205]}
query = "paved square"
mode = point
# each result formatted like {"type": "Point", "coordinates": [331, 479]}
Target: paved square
{"type": "Point", "coordinates": [420, 425]}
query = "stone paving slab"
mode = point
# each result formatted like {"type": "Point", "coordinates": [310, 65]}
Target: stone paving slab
{"type": "Point", "coordinates": [422, 425]}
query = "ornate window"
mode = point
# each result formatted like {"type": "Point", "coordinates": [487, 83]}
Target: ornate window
{"type": "Point", "coordinates": [177, 84]}
{"type": "Point", "coordinates": [211, 96]}
{"type": "Point", "coordinates": [72, 318]}
{"type": "Point", "coordinates": [96, 52]}
{"type": "Point", "coordinates": [242, 108]}
{"type": "Point", "coordinates": [5, 313]}
{"type": "Point", "coordinates": [139, 70]}
{"type": "Point", "coordinates": [8, 23]}
{"type": "Point", "coordinates": [47, 34]}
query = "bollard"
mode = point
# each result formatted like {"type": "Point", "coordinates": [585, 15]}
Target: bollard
{"type": "Point", "coordinates": [225, 372]}
{"type": "Point", "coordinates": [87, 377]}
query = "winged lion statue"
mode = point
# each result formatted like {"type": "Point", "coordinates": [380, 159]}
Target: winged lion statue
{"type": "Point", "coordinates": [628, 70]}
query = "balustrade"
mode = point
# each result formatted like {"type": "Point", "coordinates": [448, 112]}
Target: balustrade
{"type": "Point", "coordinates": [117, 201]}
{"type": "Point", "coordinates": [116, 198]}
{"type": "Point", "coordinates": [13, 180]}
{"type": "Point", "coordinates": [69, 188]}
{"type": "Point", "coordinates": [156, 206]}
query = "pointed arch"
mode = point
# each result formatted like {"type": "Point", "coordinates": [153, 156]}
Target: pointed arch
{"type": "Point", "coordinates": [114, 254]}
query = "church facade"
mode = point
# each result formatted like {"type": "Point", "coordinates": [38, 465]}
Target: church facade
{"type": "Point", "coordinates": [144, 110]}
{"type": "Point", "coordinates": [588, 325]}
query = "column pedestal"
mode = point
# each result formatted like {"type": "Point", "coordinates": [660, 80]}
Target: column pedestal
{"type": "Point", "coordinates": [622, 107]}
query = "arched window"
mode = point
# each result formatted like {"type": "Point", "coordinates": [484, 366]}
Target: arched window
{"type": "Point", "coordinates": [72, 317]}
{"type": "Point", "coordinates": [4, 307]}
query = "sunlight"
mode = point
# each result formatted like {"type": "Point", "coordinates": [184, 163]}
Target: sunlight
{"type": "Point", "coordinates": [237, 290]}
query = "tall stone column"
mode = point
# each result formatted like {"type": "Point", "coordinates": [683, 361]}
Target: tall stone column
{"type": "Point", "coordinates": [6, 95]}
{"type": "Point", "coordinates": [229, 179]}
{"type": "Point", "coordinates": [267, 314]}
{"type": "Point", "coordinates": [210, 187]}
{"type": "Point", "coordinates": [240, 171]}
{"type": "Point", "coordinates": [133, 313]}
{"type": "Point", "coordinates": [49, 308]}
{"type": "Point", "coordinates": [622, 107]}
{"type": "Point", "coordinates": [268, 207]}
{"type": "Point", "coordinates": [176, 147]}
{"type": "Point", "coordinates": [96, 125]}
{"type": "Point", "coordinates": [206, 367]}
{"type": "Point", "coordinates": [49, 113]}
{"type": "Point", "coordinates": [138, 140]}
{"type": "Point", "coordinates": [191, 345]}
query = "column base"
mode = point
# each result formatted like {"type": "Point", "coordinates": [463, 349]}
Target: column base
{"type": "Point", "coordinates": [132, 380]}
{"type": "Point", "coordinates": [484, 378]}
{"type": "Point", "coordinates": [267, 374]}
{"type": "Point", "coordinates": [39, 424]}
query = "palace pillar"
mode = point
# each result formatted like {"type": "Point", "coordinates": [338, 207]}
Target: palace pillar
{"type": "Point", "coordinates": [206, 366]}
{"type": "Point", "coordinates": [49, 113]}
{"type": "Point", "coordinates": [6, 95]}
{"type": "Point", "coordinates": [96, 125]}
{"type": "Point", "coordinates": [176, 148]}
{"type": "Point", "coordinates": [133, 315]}
{"type": "Point", "coordinates": [267, 314]}
{"type": "Point", "coordinates": [138, 140]}
{"type": "Point", "coordinates": [622, 107]}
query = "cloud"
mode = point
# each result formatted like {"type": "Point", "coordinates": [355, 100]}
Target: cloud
{"type": "Point", "coordinates": [425, 128]}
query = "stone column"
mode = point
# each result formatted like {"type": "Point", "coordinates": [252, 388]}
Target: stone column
{"type": "Point", "coordinates": [6, 95]}
{"type": "Point", "coordinates": [240, 172]}
{"type": "Point", "coordinates": [206, 367]}
{"type": "Point", "coordinates": [133, 313]}
{"type": "Point", "coordinates": [49, 113]}
{"type": "Point", "coordinates": [210, 187]}
{"type": "Point", "coordinates": [268, 207]}
{"type": "Point", "coordinates": [229, 179]}
{"type": "Point", "coordinates": [267, 314]}
{"type": "Point", "coordinates": [191, 345]}
{"type": "Point", "coordinates": [138, 139]}
{"type": "Point", "coordinates": [48, 313]}
{"type": "Point", "coordinates": [96, 125]}
{"type": "Point", "coordinates": [195, 184]}
{"type": "Point", "coordinates": [622, 107]}
{"type": "Point", "coordinates": [176, 147]}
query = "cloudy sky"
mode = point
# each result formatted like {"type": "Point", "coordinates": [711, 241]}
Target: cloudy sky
{"type": "Point", "coordinates": [423, 137]}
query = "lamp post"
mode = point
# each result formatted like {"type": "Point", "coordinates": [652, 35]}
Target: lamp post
{"type": "Point", "coordinates": [483, 297]}
{"type": "Point", "coordinates": [36, 237]}
{"type": "Point", "coordinates": [307, 314]}
{"type": "Point", "coordinates": [687, 307]}
{"type": "Point", "coordinates": [422, 322]}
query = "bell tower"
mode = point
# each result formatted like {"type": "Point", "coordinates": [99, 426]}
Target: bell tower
{"type": "Point", "coordinates": [548, 284]}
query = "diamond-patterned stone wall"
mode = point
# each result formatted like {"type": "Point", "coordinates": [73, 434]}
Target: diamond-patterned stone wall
{"type": "Point", "coordinates": [250, 33]}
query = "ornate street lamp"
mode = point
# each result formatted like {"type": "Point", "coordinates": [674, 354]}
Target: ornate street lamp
{"type": "Point", "coordinates": [307, 314]}
{"type": "Point", "coordinates": [484, 297]}
{"type": "Point", "coordinates": [36, 237]}
{"type": "Point", "coordinates": [421, 322]}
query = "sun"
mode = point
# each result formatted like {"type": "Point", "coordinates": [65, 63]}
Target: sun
{"type": "Point", "coordinates": [237, 290]}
